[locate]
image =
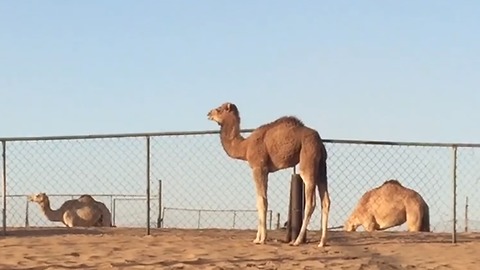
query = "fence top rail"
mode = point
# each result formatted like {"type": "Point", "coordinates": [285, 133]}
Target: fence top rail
{"type": "Point", "coordinates": [404, 143]}
{"type": "Point", "coordinates": [112, 136]}
{"type": "Point", "coordinates": [78, 194]}
{"type": "Point", "coordinates": [209, 132]}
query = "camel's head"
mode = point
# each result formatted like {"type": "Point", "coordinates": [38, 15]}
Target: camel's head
{"type": "Point", "coordinates": [350, 226]}
{"type": "Point", "coordinates": [38, 198]}
{"type": "Point", "coordinates": [226, 110]}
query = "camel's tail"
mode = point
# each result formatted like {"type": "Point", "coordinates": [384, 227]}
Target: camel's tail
{"type": "Point", "coordinates": [425, 219]}
{"type": "Point", "coordinates": [322, 180]}
{"type": "Point", "coordinates": [323, 168]}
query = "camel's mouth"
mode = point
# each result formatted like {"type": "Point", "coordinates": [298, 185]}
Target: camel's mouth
{"type": "Point", "coordinates": [349, 228]}
{"type": "Point", "coordinates": [211, 116]}
{"type": "Point", "coordinates": [35, 198]}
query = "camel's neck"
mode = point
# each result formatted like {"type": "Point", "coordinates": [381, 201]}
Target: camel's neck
{"type": "Point", "coordinates": [52, 215]}
{"type": "Point", "coordinates": [232, 141]}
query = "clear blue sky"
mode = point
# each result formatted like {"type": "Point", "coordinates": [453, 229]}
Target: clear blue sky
{"type": "Point", "coordinates": [386, 70]}
{"type": "Point", "coordinates": [379, 70]}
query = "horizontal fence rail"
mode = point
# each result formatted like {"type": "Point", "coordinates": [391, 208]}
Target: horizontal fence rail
{"type": "Point", "coordinates": [185, 180]}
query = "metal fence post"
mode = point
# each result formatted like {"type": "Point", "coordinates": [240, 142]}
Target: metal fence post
{"type": "Point", "coordinates": [199, 218]}
{"type": "Point", "coordinates": [163, 215]}
{"type": "Point", "coordinates": [148, 185]}
{"type": "Point", "coordinates": [270, 219]}
{"type": "Point", "coordinates": [4, 187]}
{"type": "Point", "coordinates": [454, 178]}
{"type": "Point", "coordinates": [278, 221]}
{"type": "Point", "coordinates": [114, 210]}
{"type": "Point", "coordinates": [27, 222]}
{"type": "Point", "coordinates": [159, 219]}
{"type": "Point", "coordinates": [466, 214]}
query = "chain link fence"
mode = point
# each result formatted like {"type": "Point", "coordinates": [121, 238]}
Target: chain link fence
{"type": "Point", "coordinates": [185, 180]}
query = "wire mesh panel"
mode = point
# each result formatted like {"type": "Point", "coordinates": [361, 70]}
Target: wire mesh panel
{"type": "Point", "coordinates": [468, 181]}
{"type": "Point", "coordinates": [194, 184]}
{"type": "Point", "coordinates": [81, 166]}
{"type": "Point", "coordinates": [355, 169]}
{"type": "Point", "coordinates": [197, 174]}
{"type": "Point", "coordinates": [137, 218]}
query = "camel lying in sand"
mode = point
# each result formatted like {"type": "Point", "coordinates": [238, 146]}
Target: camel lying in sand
{"type": "Point", "coordinates": [390, 205]}
{"type": "Point", "coordinates": [82, 212]}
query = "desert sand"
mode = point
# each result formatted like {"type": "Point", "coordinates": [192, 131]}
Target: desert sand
{"type": "Point", "coordinates": [122, 248]}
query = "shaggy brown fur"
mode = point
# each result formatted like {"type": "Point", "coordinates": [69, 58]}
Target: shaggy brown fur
{"type": "Point", "coordinates": [390, 205]}
{"type": "Point", "coordinates": [278, 145]}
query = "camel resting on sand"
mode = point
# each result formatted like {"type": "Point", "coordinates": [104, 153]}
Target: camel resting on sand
{"type": "Point", "coordinates": [82, 212]}
{"type": "Point", "coordinates": [390, 205]}
{"type": "Point", "coordinates": [274, 146]}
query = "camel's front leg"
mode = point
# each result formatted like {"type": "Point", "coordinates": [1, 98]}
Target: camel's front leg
{"type": "Point", "coordinates": [261, 179]}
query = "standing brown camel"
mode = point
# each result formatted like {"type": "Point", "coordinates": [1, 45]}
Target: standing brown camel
{"type": "Point", "coordinates": [278, 145]}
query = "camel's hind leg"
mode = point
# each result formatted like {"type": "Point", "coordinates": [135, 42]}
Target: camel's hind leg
{"type": "Point", "coordinates": [308, 172]}
{"type": "Point", "coordinates": [425, 219]}
{"type": "Point", "coordinates": [322, 185]}
{"type": "Point", "coordinates": [106, 220]}
{"type": "Point", "coordinates": [261, 180]}
{"type": "Point", "coordinates": [414, 219]}
{"type": "Point", "coordinates": [106, 217]}
{"type": "Point", "coordinates": [370, 224]}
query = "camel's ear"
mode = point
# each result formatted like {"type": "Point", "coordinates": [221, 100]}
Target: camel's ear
{"type": "Point", "coordinates": [231, 107]}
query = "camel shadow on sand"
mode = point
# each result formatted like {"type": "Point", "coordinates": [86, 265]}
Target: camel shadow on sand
{"type": "Point", "coordinates": [51, 231]}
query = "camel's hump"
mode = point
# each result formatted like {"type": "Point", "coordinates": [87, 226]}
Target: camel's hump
{"type": "Point", "coordinates": [285, 120]}
{"type": "Point", "coordinates": [85, 198]}
{"type": "Point", "coordinates": [392, 182]}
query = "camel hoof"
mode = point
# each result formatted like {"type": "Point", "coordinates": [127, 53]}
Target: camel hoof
{"type": "Point", "coordinates": [257, 241]}
{"type": "Point", "coordinates": [295, 244]}
{"type": "Point", "coordinates": [321, 244]}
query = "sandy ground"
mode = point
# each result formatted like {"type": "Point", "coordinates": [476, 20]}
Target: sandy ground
{"type": "Point", "coordinates": [119, 248]}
